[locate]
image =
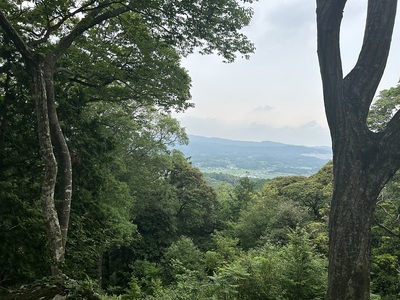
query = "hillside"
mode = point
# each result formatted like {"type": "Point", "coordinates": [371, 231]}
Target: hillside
{"type": "Point", "coordinates": [255, 159]}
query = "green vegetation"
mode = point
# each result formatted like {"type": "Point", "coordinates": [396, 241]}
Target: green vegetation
{"type": "Point", "coordinates": [187, 240]}
{"type": "Point", "coordinates": [259, 174]}
{"type": "Point", "coordinates": [254, 159]}
{"type": "Point", "coordinates": [142, 222]}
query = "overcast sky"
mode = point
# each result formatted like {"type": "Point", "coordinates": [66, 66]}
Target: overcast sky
{"type": "Point", "coordinates": [277, 94]}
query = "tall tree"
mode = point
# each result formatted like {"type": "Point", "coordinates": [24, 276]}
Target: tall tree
{"type": "Point", "coordinates": [43, 33]}
{"type": "Point", "coordinates": [363, 160]}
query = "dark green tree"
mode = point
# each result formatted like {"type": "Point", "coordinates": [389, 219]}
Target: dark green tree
{"type": "Point", "coordinates": [171, 199]}
{"type": "Point", "coordinates": [195, 200]}
{"type": "Point", "coordinates": [384, 108]}
{"type": "Point", "coordinates": [314, 192]}
{"type": "Point", "coordinates": [304, 273]}
{"type": "Point", "coordinates": [386, 251]}
{"type": "Point", "coordinates": [43, 33]}
{"type": "Point", "coordinates": [267, 218]}
{"type": "Point", "coordinates": [23, 255]}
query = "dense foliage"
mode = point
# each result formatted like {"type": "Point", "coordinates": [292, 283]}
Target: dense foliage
{"type": "Point", "coordinates": [154, 229]}
{"type": "Point", "coordinates": [146, 224]}
{"type": "Point", "coordinates": [71, 54]}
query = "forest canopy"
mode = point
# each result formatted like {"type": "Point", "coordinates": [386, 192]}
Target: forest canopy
{"type": "Point", "coordinates": [92, 190]}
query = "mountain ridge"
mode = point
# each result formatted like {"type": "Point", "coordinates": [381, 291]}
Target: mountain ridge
{"type": "Point", "coordinates": [263, 159]}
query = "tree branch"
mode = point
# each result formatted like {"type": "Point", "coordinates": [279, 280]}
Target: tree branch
{"type": "Point", "coordinates": [19, 43]}
{"type": "Point", "coordinates": [364, 78]}
{"type": "Point", "coordinates": [386, 229]}
{"type": "Point", "coordinates": [329, 17]}
{"type": "Point", "coordinates": [53, 28]}
{"type": "Point", "coordinates": [390, 139]}
{"type": "Point", "coordinates": [393, 126]}
{"type": "Point", "coordinates": [89, 21]}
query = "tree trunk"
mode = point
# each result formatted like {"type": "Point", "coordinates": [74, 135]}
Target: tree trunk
{"type": "Point", "coordinates": [349, 244]}
{"type": "Point", "coordinates": [63, 155]}
{"type": "Point", "coordinates": [350, 221]}
{"type": "Point", "coordinates": [53, 230]}
{"type": "Point", "coordinates": [363, 161]}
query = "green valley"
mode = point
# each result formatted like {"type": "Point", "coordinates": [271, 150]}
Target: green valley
{"type": "Point", "coordinates": [254, 159]}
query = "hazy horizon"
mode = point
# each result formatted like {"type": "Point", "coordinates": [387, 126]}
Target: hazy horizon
{"type": "Point", "coordinates": [277, 94]}
{"type": "Point", "coordinates": [253, 141]}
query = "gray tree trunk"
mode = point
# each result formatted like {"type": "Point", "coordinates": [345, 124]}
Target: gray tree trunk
{"type": "Point", "coordinates": [351, 217]}
{"type": "Point", "coordinates": [363, 161]}
{"type": "Point", "coordinates": [53, 229]}
{"type": "Point", "coordinates": [64, 158]}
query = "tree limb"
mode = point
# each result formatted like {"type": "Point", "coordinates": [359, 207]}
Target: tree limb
{"type": "Point", "coordinates": [53, 28]}
{"type": "Point", "coordinates": [364, 78]}
{"type": "Point", "coordinates": [329, 17]}
{"type": "Point", "coordinates": [89, 21]}
{"type": "Point", "coordinates": [386, 229]}
{"type": "Point", "coordinates": [390, 139]}
{"type": "Point", "coordinates": [21, 46]}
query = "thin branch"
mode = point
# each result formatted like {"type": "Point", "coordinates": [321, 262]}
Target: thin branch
{"type": "Point", "coordinates": [84, 83]}
{"type": "Point", "coordinates": [386, 229]}
{"type": "Point", "coordinates": [393, 217]}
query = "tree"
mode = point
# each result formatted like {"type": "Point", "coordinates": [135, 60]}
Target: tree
{"type": "Point", "coordinates": [312, 192]}
{"type": "Point", "coordinates": [363, 160]}
{"type": "Point", "coordinates": [385, 248]}
{"type": "Point", "coordinates": [44, 32]}
{"type": "Point", "coordinates": [384, 108]}
{"type": "Point", "coordinates": [305, 271]}
{"type": "Point", "coordinates": [194, 200]}
{"type": "Point", "coordinates": [267, 217]}
{"type": "Point", "coordinates": [22, 232]}
{"type": "Point", "coordinates": [385, 263]}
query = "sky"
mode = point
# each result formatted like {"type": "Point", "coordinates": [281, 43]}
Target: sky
{"type": "Point", "coordinates": [276, 95]}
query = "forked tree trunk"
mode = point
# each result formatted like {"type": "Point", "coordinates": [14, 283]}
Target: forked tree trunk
{"type": "Point", "coordinates": [363, 161]}
{"type": "Point", "coordinates": [362, 166]}
{"type": "Point", "coordinates": [53, 230]}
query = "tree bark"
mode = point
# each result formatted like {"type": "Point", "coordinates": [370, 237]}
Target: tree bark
{"type": "Point", "coordinates": [64, 158]}
{"type": "Point", "coordinates": [53, 229]}
{"type": "Point", "coordinates": [350, 222]}
{"type": "Point", "coordinates": [363, 161]}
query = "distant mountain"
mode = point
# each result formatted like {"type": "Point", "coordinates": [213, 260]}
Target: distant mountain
{"type": "Point", "coordinates": [254, 159]}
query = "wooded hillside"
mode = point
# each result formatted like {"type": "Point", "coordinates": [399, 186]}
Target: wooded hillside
{"type": "Point", "coordinates": [97, 202]}
{"type": "Point", "coordinates": [255, 159]}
